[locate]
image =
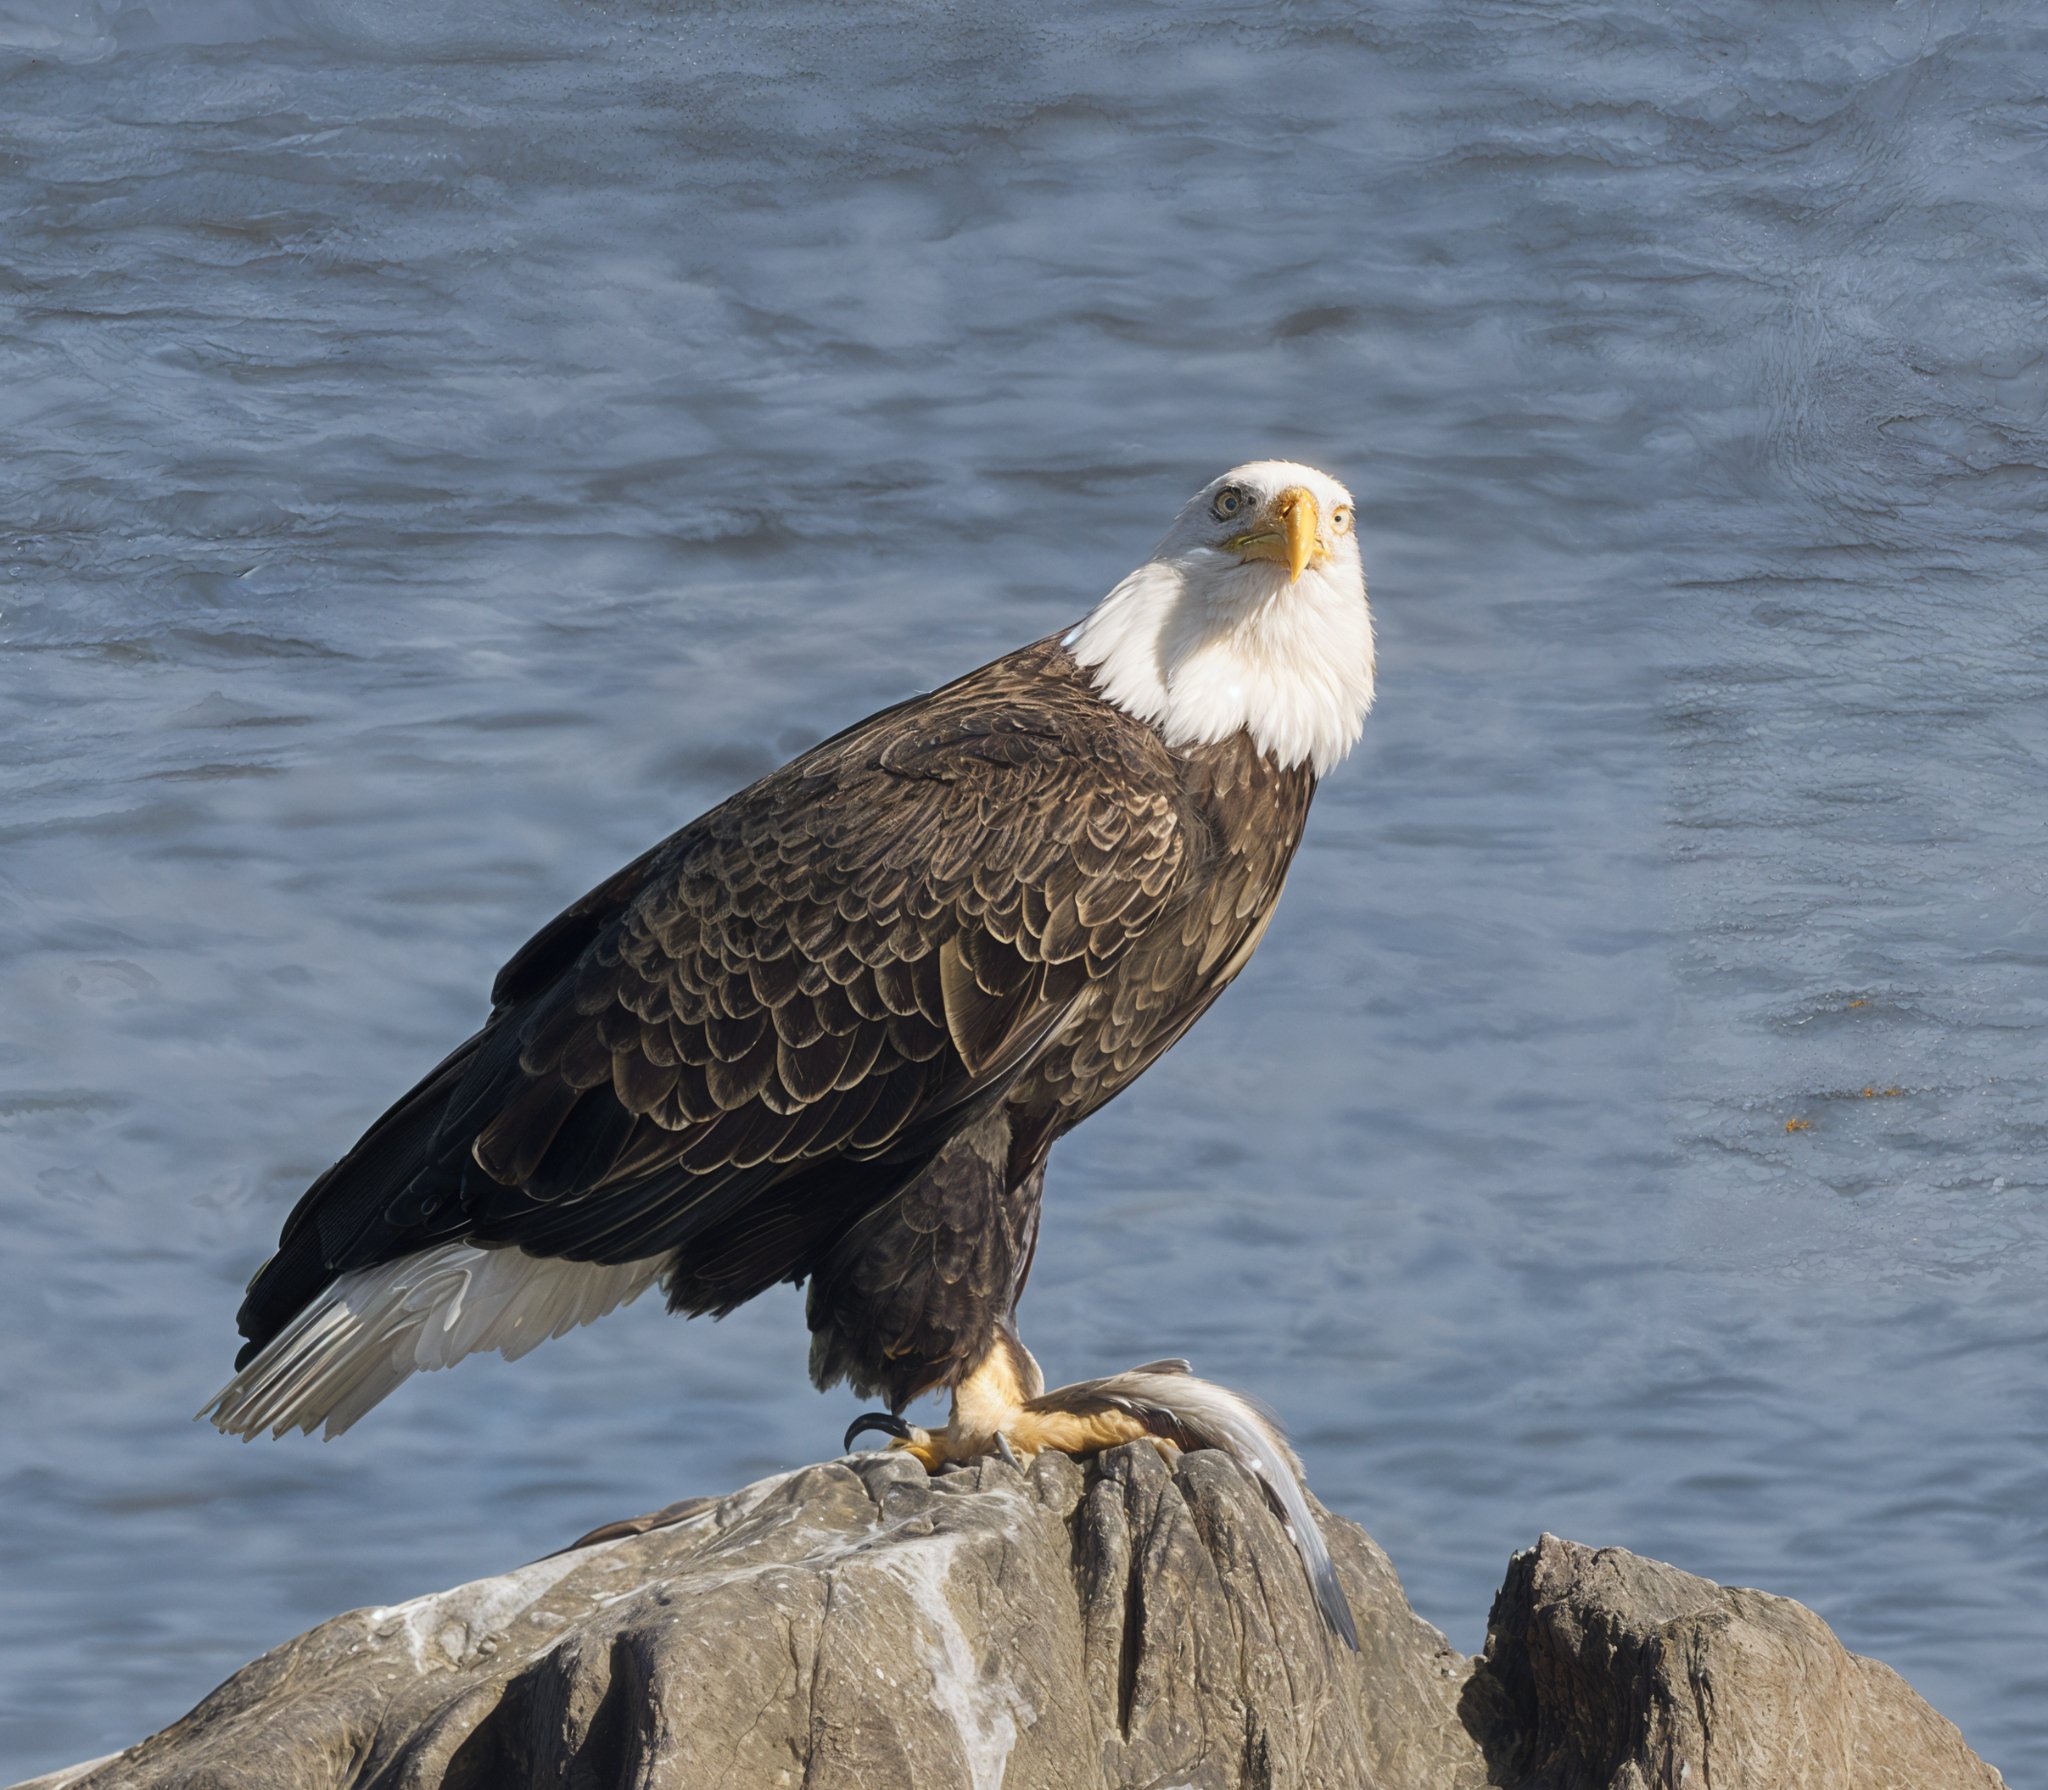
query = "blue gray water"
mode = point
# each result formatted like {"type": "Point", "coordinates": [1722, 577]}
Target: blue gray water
{"type": "Point", "coordinates": [447, 446]}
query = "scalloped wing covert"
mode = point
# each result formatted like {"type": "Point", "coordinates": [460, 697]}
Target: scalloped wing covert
{"type": "Point", "coordinates": [744, 1041]}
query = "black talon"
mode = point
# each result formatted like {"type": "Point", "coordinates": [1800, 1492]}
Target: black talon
{"type": "Point", "coordinates": [885, 1421]}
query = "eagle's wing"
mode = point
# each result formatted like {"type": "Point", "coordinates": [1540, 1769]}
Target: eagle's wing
{"type": "Point", "coordinates": [829, 971]}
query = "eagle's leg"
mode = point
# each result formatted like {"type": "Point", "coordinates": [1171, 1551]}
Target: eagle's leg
{"type": "Point", "coordinates": [1001, 1407]}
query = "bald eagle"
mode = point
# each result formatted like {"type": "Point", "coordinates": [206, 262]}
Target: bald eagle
{"type": "Point", "coordinates": [829, 1031]}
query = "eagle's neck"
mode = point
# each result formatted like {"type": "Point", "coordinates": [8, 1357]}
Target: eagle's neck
{"type": "Point", "coordinates": [1203, 650]}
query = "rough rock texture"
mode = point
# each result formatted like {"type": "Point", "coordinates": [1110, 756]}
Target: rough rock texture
{"type": "Point", "coordinates": [1133, 1624]}
{"type": "Point", "coordinates": [1605, 1671]}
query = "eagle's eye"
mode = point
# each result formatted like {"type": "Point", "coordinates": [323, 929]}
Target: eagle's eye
{"type": "Point", "coordinates": [1340, 519]}
{"type": "Point", "coordinates": [1229, 501]}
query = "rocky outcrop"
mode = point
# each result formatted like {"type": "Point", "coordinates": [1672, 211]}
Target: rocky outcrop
{"type": "Point", "coordinates": [1127, 1624]}
{"type": "Point", "coordinates": [1605, 1671]}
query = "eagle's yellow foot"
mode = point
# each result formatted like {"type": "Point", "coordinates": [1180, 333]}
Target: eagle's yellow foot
{"type": "Point", "coordinates": [926, 1446]}
{"type": "Point", "coordinates": [1026, 1431]}
{"type": "Point", "coordinates": [935, 1450]}
{"type": "Point", "coordinates": [1003, 1409]}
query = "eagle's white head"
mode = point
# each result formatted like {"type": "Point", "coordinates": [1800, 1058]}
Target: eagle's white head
{"type": "Point", "coordinates": [1250, 614]}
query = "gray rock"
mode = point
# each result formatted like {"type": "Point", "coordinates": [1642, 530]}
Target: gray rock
{"type": "Point", "coordinates": [1605, 1671]}
{"type": "Point", "coordinates": [1128, 1624]}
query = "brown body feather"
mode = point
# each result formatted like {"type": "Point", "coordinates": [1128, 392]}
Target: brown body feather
{"type": "Point", "coordinates": [830, 1030]}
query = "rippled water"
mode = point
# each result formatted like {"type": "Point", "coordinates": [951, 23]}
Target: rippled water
{"type": "Point", "coordinates": [446, 447]}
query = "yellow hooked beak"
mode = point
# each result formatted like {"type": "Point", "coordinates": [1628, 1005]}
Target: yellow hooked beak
{"type": "Point", "coordinates": [1290, 533]}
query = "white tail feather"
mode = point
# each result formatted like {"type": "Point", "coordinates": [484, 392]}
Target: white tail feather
{"type": "Point", "coordinates": [375, 1327]}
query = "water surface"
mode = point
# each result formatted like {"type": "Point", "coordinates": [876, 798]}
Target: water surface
{"type": "Point", "coordinates": [447, 447]}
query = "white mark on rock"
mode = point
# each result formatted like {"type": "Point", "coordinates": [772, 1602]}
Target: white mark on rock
{"type": "Point", "coordinates": [984, 1711]}
{"type": "Point", "coordinates": [451, 1624]}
